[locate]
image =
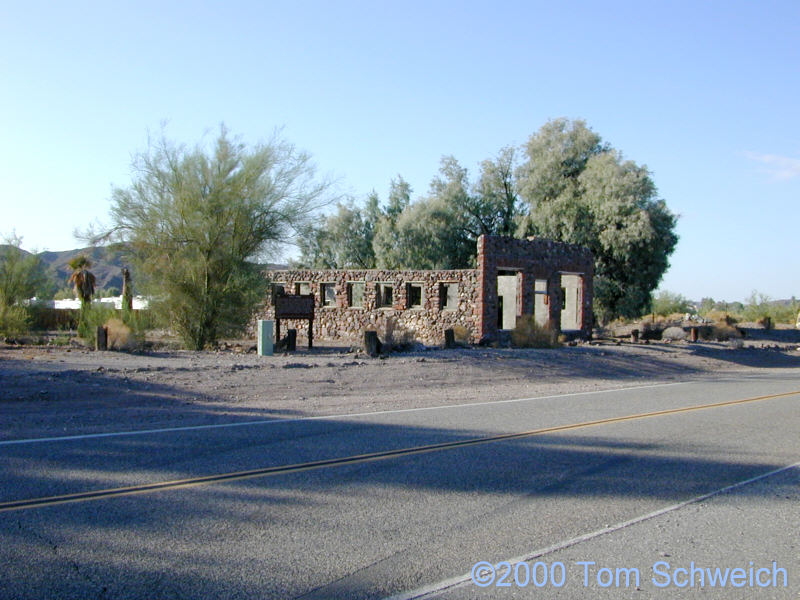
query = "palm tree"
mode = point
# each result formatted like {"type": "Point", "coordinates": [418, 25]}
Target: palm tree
{"type": "Point", "coordinates": [82, 279]}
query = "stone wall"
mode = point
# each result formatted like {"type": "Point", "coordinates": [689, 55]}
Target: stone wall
{"type": "Point", "coordinates": [532, 259]}
{"type": "Point", "coordinates": [473, 305]}
{"type": "Point", "coordinates": [426, 322]}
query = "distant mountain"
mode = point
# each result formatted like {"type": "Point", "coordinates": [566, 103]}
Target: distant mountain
{"type": "Point", "coordinates": [107, 263]}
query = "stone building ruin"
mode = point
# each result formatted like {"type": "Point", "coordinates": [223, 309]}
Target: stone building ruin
{"type": "Point", "coordinates": [514, 277]}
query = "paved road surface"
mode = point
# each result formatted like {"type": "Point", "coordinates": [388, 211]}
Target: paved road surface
{"type": "Point", "coordinates": [341, 508]}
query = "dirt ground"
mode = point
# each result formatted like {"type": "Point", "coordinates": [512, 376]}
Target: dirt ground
{"type": "Point", "coordinates": [48, 391]}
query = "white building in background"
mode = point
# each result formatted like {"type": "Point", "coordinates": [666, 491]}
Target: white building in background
{"type": "Point", "coordinates": [139, 303]}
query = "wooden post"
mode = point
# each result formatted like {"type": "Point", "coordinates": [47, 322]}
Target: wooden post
{"type": "Point", "coordinates": [372, 344]}
{"type": "Point", "coordinates": [310, 333]}
{"type": "Point", "coordinates": [635, 336]}
{"type": "Point", "coordinates": [693, 334]}
{"type": "Point", "coordinates": [449, 338]}
{"type": "Point", "coordinates": [101, 339]}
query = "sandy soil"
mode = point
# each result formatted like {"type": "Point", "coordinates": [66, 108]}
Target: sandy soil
{"type": "Point", "coordinates": [47, 391]}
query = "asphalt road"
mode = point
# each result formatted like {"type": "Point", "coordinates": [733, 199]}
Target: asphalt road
{"type": "Point", "coordinates": [404, 503]}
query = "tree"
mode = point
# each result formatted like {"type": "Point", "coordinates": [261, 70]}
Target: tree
{"type": "Point", "coordinates": [195, 219]}
{"type": "Point", "coordinates": [385, 242]}
{"type": "Point", "coordinates": [440, 231]}
{"type": "Point", "coordinates": [21, 275]}
{"type": "Point", "coordinates": [582, 191]}
{"type": "Point", "coordinates": [668, 303]}
{"type": "Point", "coordinates": [83, 284]}
{"type": "Point", "coordinates": [82, 280]}
{"type": "Point", "coordinates": [425, 236]}
{"type": "Point", "coordinates": [499, 208]}
{"type": "Point", "coordinates": [344, 241]}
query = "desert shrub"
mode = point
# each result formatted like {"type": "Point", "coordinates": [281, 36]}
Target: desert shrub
{"type": "Point", "coordinates": [120, 335]}
{"type": "Point", "coordinates": [720, 332]}
{"type": "Point", "coordinates": [785, 313]}
{"type": "Point", "coordinates": [760, 307]}
{"type": "Point", "coordinates": [108, 292]}
{"type": "Point", "coordinates": [14, 320]}
{"type": "Point", "coordinates": [61, 340]}
{"type": "Point", "coordinates": [65, 293]}
{"type": "Point", "coordinates": [45, 318]}
{"type": "Point", "coordinates": [719, 316]}
{"type": "Point", "coordinates": [676, 318]}
{"type": "Point", "coordinates": [461, 334]}
{"type": "Point", "coordinates": [92, 317]}
{"type": "Point", "coordinates": [668, 303]}
{"type": "Point", "coordinates": [649, 330]}
{"type": "Point", "coordinates": [529, 334]}
{"type": "Point", "coordinates": [674, 334]}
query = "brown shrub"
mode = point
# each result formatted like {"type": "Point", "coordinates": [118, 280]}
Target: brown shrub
{"type": "Point", "coordinates": [120, 336]}
{"type": "Point", "coordinates": [529, 334]}
{"type": "Point", "coordinates": [765, 322]}
{"type": "Point", "coordinates": [719, 316]}
{"type": "Point", "coordinates": [461, 334]}
{"type": "Point", "coordinates": [720, 333]}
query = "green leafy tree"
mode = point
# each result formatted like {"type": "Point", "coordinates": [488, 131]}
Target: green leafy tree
{"type": "Point", "coordinates": [65, 293]}
{"type": "Point", "coordinates": [195, 219]}
{"type": "Point", "coordinates": [579, 190]}
{"type": "Point", "coordinates": [667, 303]}
{"type": "Point", "coordinates": [21, 274]}
{"type": "Point", "coordinates": [386, 240]}
{"type": "Point", "coordinates": [498, 206]}
{"type": "Point", "coordinates": [344, 240]}
{"type": "Point", "coordinates": [706, 305]}
{"type": "Point", "coordinates": [425, 237]}
{"type": "Point", "coordinates": [441, 230]}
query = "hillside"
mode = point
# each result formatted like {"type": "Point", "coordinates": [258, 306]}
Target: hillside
{"type": "Point", "coordinates": [107, 263]}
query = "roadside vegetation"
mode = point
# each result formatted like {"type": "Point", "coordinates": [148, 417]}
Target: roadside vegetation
{"type": "Point", "coordinates": [20, 277]}
{"type": "Point", "coordinates": [195, 222]}
{"type": "Point", "coordinates": [757, 308]}
{"type": "Point", "coordinates": [565, 183]}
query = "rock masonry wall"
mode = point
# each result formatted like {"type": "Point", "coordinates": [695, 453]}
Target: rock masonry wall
{"type": "Point", "coordinates": [426, 323]}
{"type": "Point", "coordinates": [472, 308]}
{"type": "Point", "coordinates": [532, 259]}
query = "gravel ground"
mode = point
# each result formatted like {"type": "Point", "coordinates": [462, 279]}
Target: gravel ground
{"type": "Point", "coordinates": [50, 391]}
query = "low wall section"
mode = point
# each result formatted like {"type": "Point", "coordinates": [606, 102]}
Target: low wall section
{"type": "Point", "coordinates": [430, 314]}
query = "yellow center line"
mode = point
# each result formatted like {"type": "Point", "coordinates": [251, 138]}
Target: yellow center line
{"type": "Point", "coordinates": [350, 460]}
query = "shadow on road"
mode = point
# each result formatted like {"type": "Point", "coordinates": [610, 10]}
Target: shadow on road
{"type": "Point", "coordinates": [188, 536]}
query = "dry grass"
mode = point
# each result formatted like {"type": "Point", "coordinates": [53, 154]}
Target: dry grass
{"type": "Point", "coordinates": [461, 334]}
{"type": "Point", "coordinates": [120, 336]}
{"type": "Point", "coordinates": [529, 334]}
{"type": "Point", "coordinates": [719, 316]}
{"type": "Point", "coordinates": [720, 332]}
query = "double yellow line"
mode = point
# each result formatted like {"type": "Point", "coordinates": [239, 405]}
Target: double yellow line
{"type": "Point", "coordinates": [350, 460]}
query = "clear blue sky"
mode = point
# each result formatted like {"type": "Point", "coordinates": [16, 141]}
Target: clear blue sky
{"type": "Point", "coordinates": [703, 93]}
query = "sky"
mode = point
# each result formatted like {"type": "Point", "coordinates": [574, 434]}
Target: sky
{"type": "Point", "coordinates": [705, 94]}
